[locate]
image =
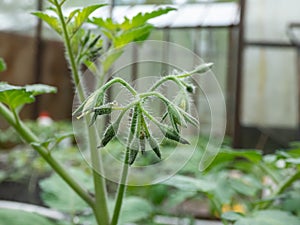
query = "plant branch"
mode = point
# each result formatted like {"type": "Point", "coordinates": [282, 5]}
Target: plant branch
{"type": "Point", "coordinates": [71, 58]}
{"type": "Point", "coordinates": [121, 190]}
{"type": "Point", "coordinates": [30, 138]}
{"type": "Point", "coordinates": [122, 82]}
{"type": "Point", "coordinates": [282, 187]}
{"type": "Point", "coordinates": [100, 209]}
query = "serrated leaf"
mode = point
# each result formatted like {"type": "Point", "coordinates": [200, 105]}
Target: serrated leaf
{"type": "Point", "coordinates": [83, 15]}
{"type": "Point", "coordinates": [71, 15]}
{"type": "Point", "coordinates": [52, 21]}
{"type": "Point", "coordinates": [141, 18]}
{"type": "Point", "coordinates": [107, 24]}
{"type": "Point", "coordinates": [2, 65]}
{"type": "Point", "coordinates": [134, 34]}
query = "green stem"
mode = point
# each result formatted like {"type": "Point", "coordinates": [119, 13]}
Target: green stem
{"type": "Point", "coordinates": [282, 187]}
{"type": "Point", "coordinates": [287, 182]}
{"type": "Point", "coordinates": [122, 82]}
{"type": "Point", "coordinates": [101, 208]}
{"type": "Point", "coordinates": [71, 58]}
{"type": "Point", "coordinates": [30, 138]}
{"type": "Point", "coordinates": [121, 190]}
{"type": "Point", "coordinates": [164, 79]}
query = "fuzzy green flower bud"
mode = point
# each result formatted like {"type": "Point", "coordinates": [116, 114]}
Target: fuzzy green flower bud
{"type": "Point", "coordinates": [110, 133]}
{"type": "Point", "coordinates": [132, 155]}
{"type": "Point", "coordinates": [154, 145]}
{"type": "Point", "coordinates": [172, 134]}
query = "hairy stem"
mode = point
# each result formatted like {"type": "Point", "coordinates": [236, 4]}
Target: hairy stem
{"type": "Point", "coordinates": [121, 190]}
{"type": "Point", "coordinates": [100, 209]}
{"type": "Point", "coordinates": [71, 58]}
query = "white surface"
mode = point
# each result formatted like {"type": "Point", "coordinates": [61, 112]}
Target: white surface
{"type": "Point", "coordinates": [270, 74]}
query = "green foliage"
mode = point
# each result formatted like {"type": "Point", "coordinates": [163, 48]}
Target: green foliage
{"type": "Point", "coordinates": [264, 217]}
{"type": "Point", "coordinates": [81, 16]}
{"type": "Point", "coordinates": [135, 209]}
{"type": "Point", "coordinates": [2, 65]}
{"type": "Point", "coordinates": [58, 195]}
{"type": "Point", "coordinates": [17, 217]}
{"type": "Point", "coordinates": [135, 29]}
{"type": "Point", "coordinates": [16, 96]}
{"type": "Point", "coordinates": [52, 21]}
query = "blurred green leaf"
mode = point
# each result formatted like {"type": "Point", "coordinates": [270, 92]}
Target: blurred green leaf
{"type": "Point", "coordinates": [17, 217]}
{"type": "Point", "coordinates": [231, 216]}
{"type": "Point", "coordinates": [269, 217]}
{"type": "Point", "coordinates": [141, 18]}
{"type": "Point", "coordinates": [110, 58]}
{"type": "Point", "coordinates": [244, 186]}
{"type": "Point", "coordinates": [52, 21]}
{"type": "Point", "coordinates": [2, 65]}
{"type": "Point", "coordinates": [15, 96]}
{"type": "Point", "coordinates": [38, 89]}
{"type": "Point", "coordinates": [58, 195]}
{"type": "Point", "coordinates": [190, 184]}
{"type": "Point", "coordinates": [135, 209]}
{"type": "Point", "coordinates": [82, 15]}
{"type": "Point", "coordinates": [134, 34]}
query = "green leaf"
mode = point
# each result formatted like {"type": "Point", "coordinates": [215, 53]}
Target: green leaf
{"type": "Point", "coordinates": [190, 184]}
{"type": "Point", "coordinates": [140, 19]}
{"type": "Point", "coordinates": [83, 15]}
{"type": "Point", "coordinates": [109, 58]}
{"type": "Point", "coordinates": [134, 34]}
{"type": "Point", "coordinates": [135, 209]}
{"type": "Point", "coordinates": [269, 217]}
{"type": "Point", "coordinates": [17, 217]}
{"type": "Point", "coordinates": [243, 186]}
{"type": "Point", "coordinates": [38, 89]}
{"type": "Point", "coordinates": [72, 14]}
{"type": "Point", "coordinates": [179, 196]}
{"type": "Point", "coordinates": [15, 96]}
{"type": "Point", "coordinates": [52, 21]}
{"type": "Point", "coordinates": [58, 195]}
{"type": "Point", "coordinates": [231, 216]}
{"type": "Point", "coordinates": [108, 24]}
{"type": "Point", "coordinates": [2, 65]}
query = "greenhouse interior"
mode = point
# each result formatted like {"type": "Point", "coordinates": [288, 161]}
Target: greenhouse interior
{"type": "Point", "coordinates": [148, 112]}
